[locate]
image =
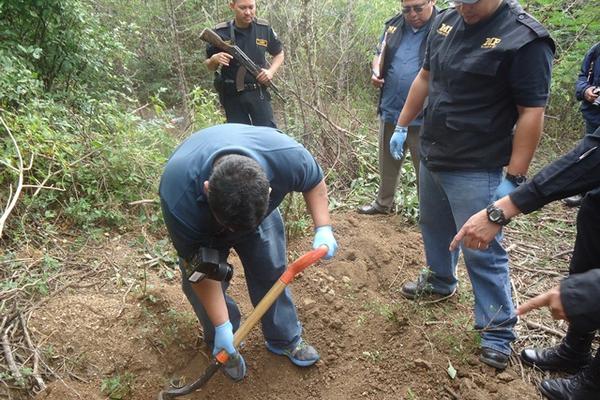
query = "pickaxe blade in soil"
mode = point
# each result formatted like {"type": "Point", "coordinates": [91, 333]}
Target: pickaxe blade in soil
{"type": "Point", "coordinates": [261, 308]}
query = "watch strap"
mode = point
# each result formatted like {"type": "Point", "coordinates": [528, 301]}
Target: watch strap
{"type": "Point", "coordinates": [516, 180]}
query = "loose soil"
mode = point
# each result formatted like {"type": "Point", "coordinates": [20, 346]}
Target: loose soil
{"type": "Point", "coordinates": [373, 344]}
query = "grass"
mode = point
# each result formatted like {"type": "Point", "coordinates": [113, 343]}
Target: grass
{"type": "Point", "coordinates": [118, 387]}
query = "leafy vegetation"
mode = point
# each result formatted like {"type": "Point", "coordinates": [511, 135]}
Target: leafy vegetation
{"type": "Point", "coordinates": [91, 90]}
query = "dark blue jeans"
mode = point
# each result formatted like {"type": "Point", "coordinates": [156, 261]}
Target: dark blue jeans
{"type": "Point", "coordinates": [447, 199]}
{"type": "Point", "coordinates": [263, 255]}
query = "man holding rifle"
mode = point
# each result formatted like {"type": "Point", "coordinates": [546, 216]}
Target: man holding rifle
{"type": "Point", "coordinates": [243, 96]}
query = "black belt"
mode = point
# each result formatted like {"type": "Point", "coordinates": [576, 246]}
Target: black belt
{"type": "Point", "coordinates": [247, 86]}
{"type": "Point", "coordinates": [251, 86]}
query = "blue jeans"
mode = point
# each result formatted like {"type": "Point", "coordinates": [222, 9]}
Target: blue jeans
{"type": "Point", "coordinates": [447, 200]}
{"type": "Point", "coordinates": [263, 255]}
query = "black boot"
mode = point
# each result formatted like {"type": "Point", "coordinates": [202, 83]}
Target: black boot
{"type": "Point", "coordinates": [572, 354]}
{"type": "Point", "coordinates": [583, 386]}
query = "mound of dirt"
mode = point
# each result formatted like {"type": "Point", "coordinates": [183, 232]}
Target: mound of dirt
{"type": "Point", "coordinates": [373, 343]}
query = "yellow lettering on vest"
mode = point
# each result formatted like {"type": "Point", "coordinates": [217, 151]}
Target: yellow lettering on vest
{"type": "Point", "coordinates": [491, 43]}
{"type": "Point", "coordinates": [262, 42]}
{"type": "Point", "coordinates": [444, 30]}
{"type": "Point", "coordinates": [391, 29]}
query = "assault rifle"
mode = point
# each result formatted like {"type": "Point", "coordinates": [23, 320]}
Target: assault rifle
{"type": "Point", "coordinates": [209, 36]}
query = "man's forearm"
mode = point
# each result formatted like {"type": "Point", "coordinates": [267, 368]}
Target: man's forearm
{"type": "Point", "coordinates": [318, 204]}
{"type": "Point", "coordinates": [211, 65]}
{"type": "Point", "coordinates": [527, 136]}
{"type": "Point", "coordinates": [375, 64]}
{"type": "Point", "coordinates": [416, 98]}
{"type": "Point", "coordinates": [276, 62]}
{"type": "Point", "coordinates": [210, 294]}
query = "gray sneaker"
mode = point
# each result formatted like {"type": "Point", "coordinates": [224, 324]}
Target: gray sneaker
{"type": "Point", "coordinates": [302, 354]}
{"type": "Point", "coordinates": [235, 367]}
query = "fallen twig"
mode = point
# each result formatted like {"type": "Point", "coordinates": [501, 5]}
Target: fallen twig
{"type": "Point", "coordinates": [8, 356]}
{"type": "Point", "coordinates": [400, 270]}
{"type": "Point", "coordinates": [36, 355]}
{"type": "Point", "coordinates": [535, 325]}
{"type": "Point", "coordinates": [143, 201]}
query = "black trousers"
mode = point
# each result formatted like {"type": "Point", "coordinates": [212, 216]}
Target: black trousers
{"type": "Point", "coordinates": [250, 107]}
{"type": "Point", "coordinates": [586, 254]}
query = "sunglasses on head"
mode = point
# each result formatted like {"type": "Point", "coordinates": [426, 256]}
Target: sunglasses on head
{"type": "Point", "coordinates": [417, 9]}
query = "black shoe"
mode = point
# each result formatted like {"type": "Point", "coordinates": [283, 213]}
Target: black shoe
{"type": "Point", "coordinates": [557, 358]}
{"type": "Point", "coordinates": [371, 209]}
{"type": "Point", "coordinates": [422, 290]}
{"type": "Point", "coordinates": [582, 386]}
{"type": "Point", "coordinates": [493, 358]}
{"type": "Point", "coordinates": [573, 201]}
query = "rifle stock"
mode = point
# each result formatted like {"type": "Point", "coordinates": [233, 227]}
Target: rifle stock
{"type": "Point", "coordinates": [210, 36]}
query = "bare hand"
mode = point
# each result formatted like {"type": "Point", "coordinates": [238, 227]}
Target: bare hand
{"type": "Point", "coordinates": [589, 95]}
{"type": "Point", "coordinates": [550, 299]}
{"type": "Point", "coordinates": [378, 83]}
{"type": "Point", "coordinates": [264, 77]}
{"type": "Point", "coordinates": [221, 58]}
{"type": "Point", "coordinates": [476, 233]}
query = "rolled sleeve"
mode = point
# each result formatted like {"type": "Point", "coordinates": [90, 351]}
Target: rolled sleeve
{"type": "Point", "coordinates": [308, 173]}
{"type": "Point", "coordinates": [530, 73]}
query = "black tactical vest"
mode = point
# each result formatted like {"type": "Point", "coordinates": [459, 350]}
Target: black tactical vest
{"type": "Point", "coordinates": [471, 113]}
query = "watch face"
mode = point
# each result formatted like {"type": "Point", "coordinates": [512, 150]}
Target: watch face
{"type": "Point", "coordinates": [495, 215]}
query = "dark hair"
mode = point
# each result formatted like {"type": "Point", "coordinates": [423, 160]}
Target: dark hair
{"type": "Point", "coordinates": [238, 192]}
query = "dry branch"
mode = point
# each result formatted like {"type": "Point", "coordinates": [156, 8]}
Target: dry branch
{"type": "Point", "coordinates": [535, 325]}
{"type": "Point", "coordinates": [36, 355]}
{"type": "Point", "coordinates": [13, 197]}
{"type": "Point", "coordinates": [9, 357]}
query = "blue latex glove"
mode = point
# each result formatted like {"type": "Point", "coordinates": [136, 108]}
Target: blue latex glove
{"type": "Point", "coordinates": [224, 339]}
{"type": "Point", "coordinates": [504, 188]}
{"type": "Point", "coordinates": [324, 237]}
{"type": "Point", "coordinates": [397, 142]}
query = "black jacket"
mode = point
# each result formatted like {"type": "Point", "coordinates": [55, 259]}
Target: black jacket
{"type": "Point", "coordinates": [580, 296]}
{"type": "Point", "coordinates": [576, 172]}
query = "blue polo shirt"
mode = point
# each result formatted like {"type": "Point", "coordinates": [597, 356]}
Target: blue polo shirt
{"type": "Point", "coordinates": [401, 73]}
{"type": "Point", "coordinates": [287, 164]}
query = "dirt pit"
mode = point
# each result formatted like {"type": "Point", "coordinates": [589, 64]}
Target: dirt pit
{"type": "Point", "coordinates": [373, 343]}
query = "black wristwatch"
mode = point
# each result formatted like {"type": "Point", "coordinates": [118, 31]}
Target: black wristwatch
{"type": "Point", "coordinates": [516, 180]}
{"type": "Point", "coordinates": [496, 215]}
